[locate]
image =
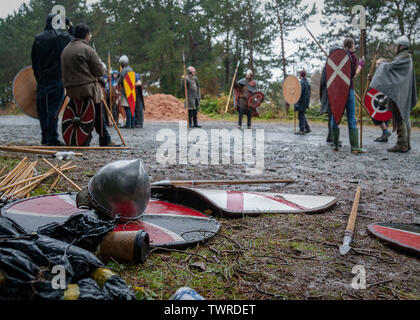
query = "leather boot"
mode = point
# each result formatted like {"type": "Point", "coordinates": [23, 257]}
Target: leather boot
{"type": "Point", "coordinates": [402, 139]}
{"type": "Point", "coordinates": [335, 132]}
{"type": "Point", "coordinates": [354, 141]}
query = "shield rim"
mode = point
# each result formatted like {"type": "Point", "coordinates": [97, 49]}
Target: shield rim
{"type": "Point", "coordinates": [13, 92]}
{"type": "Point", "coordinates": [284, 89]}
{"type": "Point", "coordinates": [371, 99]}
{"type": "Point", "coordinates": [348, 90]}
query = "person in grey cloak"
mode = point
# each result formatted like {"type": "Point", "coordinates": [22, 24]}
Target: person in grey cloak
{"type": "Point", "coordinates": [194, 96]}
{"type": "Point", "coordinates": [397, 80]}
{"type": "Point", "coordinates": [303, 103]}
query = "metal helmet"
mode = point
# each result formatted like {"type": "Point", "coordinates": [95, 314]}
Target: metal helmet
{"type": "Point", "coordinates": [191, 69]}
{"type": "Point", "coordinates": [124, 60]}
{"type": "Point", "coordinates": [121, 187]}
{"type": "Point", "coordinates": [402, 41]}
{"type": "Point", "coordinates": [249, 72]}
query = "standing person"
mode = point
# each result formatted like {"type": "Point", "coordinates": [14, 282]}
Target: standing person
{"type": "Point", "coordinates": [243, 89]}
{"type": "Point", "coordinates": [397, 80]}
{"type": "Point", "coordinates": [114, 83]}
{"type": "Point", "coordinates": [356, 67]}
{"type": "Point", "coordinates": [46, 63]}
{"type": "Point", "coordinates": [194, 96]}
{"type": "Point", "coordinates": [130, 120]}
{"type": "Point", "coordinates": [140, 107]}
{"type": "Point", "coordinates": [82, 70]}
{"type": "Point", "coordinates": [303, 103]}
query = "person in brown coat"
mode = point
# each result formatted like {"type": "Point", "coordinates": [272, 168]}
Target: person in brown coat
{"type": "Point", "coordinates": [82, 70]}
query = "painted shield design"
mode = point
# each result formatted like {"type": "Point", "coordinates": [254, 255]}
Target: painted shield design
{"type": "Point", "coordinates": [130, 90]}
{"type": "Point", "coordinates": [78, 121]}
{"type": "Point", "coordinates": [254, 101]}
{"type": "Point", "coordinates": [169, 225]}
{"type": "Point", "coordinates": [24, 91]}
{"type": "Point", "coordinates": [376, 103]}
{"type": "Point", "coordinates": [291, 90]}
{"type": "Point", "coordinates": [405, 237]}
{"type": "Point", "coordinates": [338, 81]}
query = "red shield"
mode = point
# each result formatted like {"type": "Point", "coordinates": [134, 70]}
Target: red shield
{"type": "Point", "coordinates": [78, 121]}
{"type": "Point", "coordinates": [254, 101]}
{"type": "Point", "coordinates": [338, 82]}
{"type": "Point", "coordinates": [375, 104]}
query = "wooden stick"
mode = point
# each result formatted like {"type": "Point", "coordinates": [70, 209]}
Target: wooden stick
{"type": "Point", "coordinates": [65, 103]}
{"type": "Point", "coordinates": [15, 178]}
{"type": "Point", "coordinates": [231, 87]}
{"type": "Point", "coordinates": [33, 151]}
{"type": "Point", "coordinates": [28, 188]}
{"type": "Point", "coordinates": [113, 121]}
{"type": "Point", "coordinates": [62, 174]}
{"type": "Point", "coordinates": [47, 174]}
{"type": "Point", "coordinates": [217, 182]}
{"type": "Point", "coordinates": [2, 170]}
{"type": "Point", "coordinates": [362, 51]}
{"type": "Point", "coordinates": [73, 148]}
{"type": "Point", "coordinates": [352, 219]}
{"type": "Point", "coordinates": [11, 173]}
{"type": "Point", "coordinates": [186, 88]}
{"type": "Point", "coordinates": [294, 119]}
{"type": "Point", "coordinates": [21, 176]}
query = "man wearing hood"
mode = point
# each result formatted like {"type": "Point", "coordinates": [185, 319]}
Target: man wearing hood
{"type": "Point", "coordinates": [397, 80]}
{"type": "Point", "coordinates": [46, 63]}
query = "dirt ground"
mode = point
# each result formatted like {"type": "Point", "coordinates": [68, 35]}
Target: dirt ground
{"type": "Point", "coordinates": [276, 256]}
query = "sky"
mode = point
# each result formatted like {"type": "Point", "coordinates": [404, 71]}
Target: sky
{"type": "Point", "coordinates": [9, 6]}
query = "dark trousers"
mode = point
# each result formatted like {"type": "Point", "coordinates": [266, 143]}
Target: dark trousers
{"type": "Point", "coordinates": [130, 120]}
{"type": "Point", "coordinates": [139, 114]}
{"type": "Point", "coordinates": [303, 123]}
{"type": "Point", "coordinates": [247, 112]}
{"type": "Point", "coordinates": [49, 98]}
{"type": "Point", "coordinates": [192, 118]}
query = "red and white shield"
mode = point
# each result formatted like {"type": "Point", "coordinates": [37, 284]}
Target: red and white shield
{"type": "Point", "coordinates": [375, 106]}
{"type": "Point", "coordinates": [78, 121]}
{"type": "Point", "coordinates": [338, 82]}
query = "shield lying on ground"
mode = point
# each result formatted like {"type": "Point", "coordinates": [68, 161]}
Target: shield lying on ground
{"type": "Point", "coordinates": [377, 104]}
{"type": "Point", "coordinates": [169, 225]}
{"type": "Point", "coordinates": [236, 204]}
{"type": "Point", "coordinates": [291, 90]}
{"type": "Point", "coordinates": [405, 237]}
{"type": "Point", "coordinates": [78, 121]}
{"type": "Point", "coordinates": [338, 70]}
{"type": "Point", "coordinates": [24, 91]}
{"type": "Point", "coordinates": [130, 90]}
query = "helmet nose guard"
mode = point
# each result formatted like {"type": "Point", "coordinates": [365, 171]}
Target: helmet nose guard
{"type": "Point", "coordinates": [121, 188]}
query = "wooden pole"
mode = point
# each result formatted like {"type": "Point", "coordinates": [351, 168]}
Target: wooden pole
{"type": "Point", "coordinates": [231, 87]}
{"type": "Point", "coordinates": [11, 173]}
{"type": "Point", "coordinates": [113, 121]}
{"type": "Point", "coordinates": [185, 88]}
{"type": "Point", "coordinates": [73, 148]}
{"type": "Point", "coordinates": [352, 219]}
{"type": "Point", "coordinates": [65, 104]}
{"type": "Point", "coordinates": [62, 174]}
{"type": "Point", "coordinates": [362, 53]}
{"type": "Point", "coordinates": [217, 182]}
{"type": "Point", "coordinates": [32, 151]}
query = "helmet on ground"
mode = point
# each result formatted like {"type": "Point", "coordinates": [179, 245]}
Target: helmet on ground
{"type": "Point", "coordinates": [402, 41]}
{"type": "Point", "coordinates": [121, 187]}
{"type": "Point", "coordinates": [191, 69]}
{"type": "Point", "coordinates": [124, 61]}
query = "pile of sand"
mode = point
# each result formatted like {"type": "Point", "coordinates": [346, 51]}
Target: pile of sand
{"type": "Point", "coordinates": [165, 107]}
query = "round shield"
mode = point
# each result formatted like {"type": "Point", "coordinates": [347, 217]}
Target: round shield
{"type": "Point", "coordinates": [255, 99]}
{"type": "Point", "coordinates": [169, 225]}
{"type": "Point", "coordinates": [291, 90]}
{"type": "Point", "coordinates": [338, 71]}
{"type": "Point", "coordinates": [24, 91]}
{"type": "Point", "coordinates": [376, 104]}
{"type": "Point", "coordinates": [78, 121]}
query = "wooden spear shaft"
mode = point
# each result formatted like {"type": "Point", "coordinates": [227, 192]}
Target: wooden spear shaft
{"type": "Point", "coordinates": [362, 51]}
{"type": "Point", "coordinates": [74, 148]}
{"type": "Point", "coordinates": [231, 87]}
{"type": "Point", "coordinates": [11, 173]}
{"type": "Point", "coordinates": [113, 121]}
{"type": "Point", "coordinates": [32, 151]}
{"type": "Point", "coordinates": [218, 182]}
{"type": "Point", "coordinates": [62, 174]}
{"type": "Point", "coordinates": [186, 88]}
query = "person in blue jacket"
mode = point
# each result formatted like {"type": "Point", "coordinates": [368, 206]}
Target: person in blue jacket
{"type": "Point", "coordinates": [303, 103]}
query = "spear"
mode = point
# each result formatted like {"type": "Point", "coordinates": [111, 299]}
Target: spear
{"type": "Point", "coordinates": [348, 234]}
{"type": "Point", "coordinates": [316, 41]}
{"type": "Point", "coordinates": [185, 86]}
{"type": "Point", "coordinates": [169, 183]}
{"type": "Point", "coordinates": [231, 88]}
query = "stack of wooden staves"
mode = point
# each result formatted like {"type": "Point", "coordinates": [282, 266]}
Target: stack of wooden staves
{"type": "Point", "coordinates": [22, 179]}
